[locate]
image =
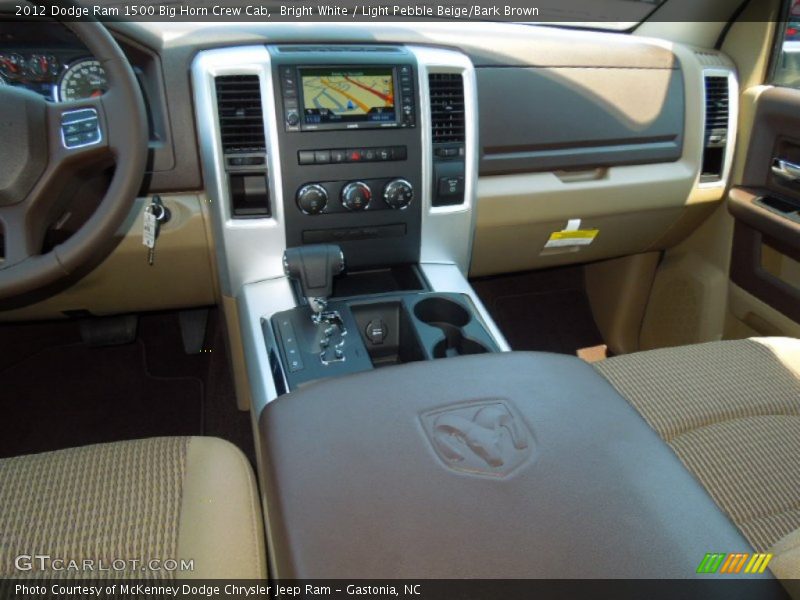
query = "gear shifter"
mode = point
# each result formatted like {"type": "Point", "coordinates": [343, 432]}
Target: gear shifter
{"type": "Point", "coordinates": [314, 267]}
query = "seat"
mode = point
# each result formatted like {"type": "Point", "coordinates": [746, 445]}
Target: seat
{"type": "Point", "coordinates": [191, 500]}
{"type": "Point", "coordinates": [731, 412]}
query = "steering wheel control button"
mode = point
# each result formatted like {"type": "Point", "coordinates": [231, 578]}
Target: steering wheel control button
{"type": "Point", "coordinates": [312, 199]}
{"type": "Point", "coordinates": [398, 194]}
{"type": "Point", "coordinates": [80, 128]}
{"type": "Point", "coordinates": [356, 195]}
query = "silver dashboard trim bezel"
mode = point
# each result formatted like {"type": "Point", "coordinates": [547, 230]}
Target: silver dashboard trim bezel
{"type": "Point", "coordinates": [447, 231]}
{"type": "Point", "coordinates": [733, 121]}
{"type": "Point", "coordinates": [248, 250]}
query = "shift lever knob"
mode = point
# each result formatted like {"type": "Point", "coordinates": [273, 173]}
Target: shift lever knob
{"type": "Point", "coordinates": [314, 267]}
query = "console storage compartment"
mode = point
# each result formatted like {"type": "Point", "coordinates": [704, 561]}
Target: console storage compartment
{"type": "Point", "coordinates": [502, 465]}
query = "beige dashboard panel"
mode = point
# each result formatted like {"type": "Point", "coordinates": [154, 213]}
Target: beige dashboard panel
{"type": "Point", "coordinates": [124, 282]}
{"type": "Point", "coordinates": [637, 208]}
{"type": "Point", "coordinates": [517, 214]}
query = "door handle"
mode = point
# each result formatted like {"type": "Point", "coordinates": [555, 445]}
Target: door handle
{"type": "Point", "coordinates": [788, 171]}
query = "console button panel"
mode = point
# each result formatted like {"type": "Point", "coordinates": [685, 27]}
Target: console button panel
{"type": "Point", "coordinates": [352, 155]}
{"type": "Point", "coordinates": [365, 195]}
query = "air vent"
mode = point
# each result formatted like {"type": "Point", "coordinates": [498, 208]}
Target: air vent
{"type": "Point", "coordinates": [241, 120]}
{"type": "Point", "coordinates": [447, 107]}
{"type": "Point", "coordinates": [716, 131]}
{"type": "Point", "coordinates": [716, 108]}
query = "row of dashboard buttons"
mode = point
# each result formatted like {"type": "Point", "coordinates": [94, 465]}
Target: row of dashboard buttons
{"type": "Point", "coordinates": [351, 155]}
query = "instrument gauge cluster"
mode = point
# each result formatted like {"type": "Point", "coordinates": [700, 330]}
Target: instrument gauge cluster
{"type": "Point", "coordinates": [61, 78]}
{"type": "Point", "coordinates": [85, 78]}
{"type": "Point", "coordinates": [12, 66]}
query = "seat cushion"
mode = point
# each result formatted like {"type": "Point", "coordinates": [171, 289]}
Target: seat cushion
{"type": "Point", "coordinates": [162, 498]}
{"type": "Point", "coordinates": [731, 411]}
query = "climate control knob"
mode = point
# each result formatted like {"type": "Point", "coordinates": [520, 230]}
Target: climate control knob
{"type": "Point", "coordinates": [398, 193]}
{"type": "Point", "coordinates": [356, 195]}
{"type": "Point", "coordinates": [312, 199]}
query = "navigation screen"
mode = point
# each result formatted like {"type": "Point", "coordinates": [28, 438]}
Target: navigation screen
{"type": "Point", "coordinates": [348, 96]}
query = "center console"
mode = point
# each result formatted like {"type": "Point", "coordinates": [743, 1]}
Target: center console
{"type": "Point", "coordinates": [368, 149]}
{"type": "Point", "coordinates": [351, 150]}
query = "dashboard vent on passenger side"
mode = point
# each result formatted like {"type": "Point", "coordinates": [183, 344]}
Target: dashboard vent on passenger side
{"type": "Point", "coordinates": [447, 107]}
{"type": "Point", "coordinates": [716, 127]}
{"type": "Point", "coordinates": [241, 121]}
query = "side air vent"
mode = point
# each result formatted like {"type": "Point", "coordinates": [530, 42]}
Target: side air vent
{"type": "Point", "coordinates": [716, 129]}
{"type": "Point", "coordinates": [241, 127]}
{"type": "Point", "coordinates": [241, 121]}
{"type": "Point", "coordinates": [447, 107]}
{"type": "Point", "coordinates": [448, 129]}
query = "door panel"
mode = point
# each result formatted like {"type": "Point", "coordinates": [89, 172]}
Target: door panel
{"type": "Point", "coordinates": [766, 208]}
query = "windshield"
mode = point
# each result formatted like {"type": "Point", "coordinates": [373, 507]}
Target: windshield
{"type": "Point", "coordinates": [615, 15]}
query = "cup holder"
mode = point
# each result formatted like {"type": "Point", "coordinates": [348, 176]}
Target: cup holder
{"type": "Point", "coordinates": [451, 318]}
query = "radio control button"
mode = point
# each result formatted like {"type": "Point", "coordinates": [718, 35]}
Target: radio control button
{"type": "Point", "coordinates": [398, 194]}
{"type": "Point", "coordinates": [356, 195]}
{"type": "Point", "coordinates": [292, 118]}
{"type": "Point", "coordinates": [312, 199]}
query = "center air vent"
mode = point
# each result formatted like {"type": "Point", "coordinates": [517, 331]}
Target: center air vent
{"type": "Point", "coordinates": [447, 107]}
{"type": "Point", "coordinates": [716, 130]}
{"type": "Point", "coordinates": [241, 121]}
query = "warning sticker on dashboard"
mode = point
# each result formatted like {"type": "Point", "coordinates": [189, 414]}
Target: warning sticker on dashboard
{"type": "Point", "coordinates": [576, 237]}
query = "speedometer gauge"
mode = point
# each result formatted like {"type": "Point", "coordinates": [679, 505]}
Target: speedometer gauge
{"type": "Point", "coordinates": [82, 79]}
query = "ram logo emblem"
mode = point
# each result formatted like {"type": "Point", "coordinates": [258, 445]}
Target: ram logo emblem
{"type": "Point", "coordinates": [482, 438]}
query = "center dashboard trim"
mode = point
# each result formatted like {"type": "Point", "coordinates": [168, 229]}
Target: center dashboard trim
{"type": "Point", "coordinates": [248, 250]}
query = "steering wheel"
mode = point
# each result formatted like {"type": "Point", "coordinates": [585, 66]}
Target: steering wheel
{"type": "Point", "coordinates": [44, 144]}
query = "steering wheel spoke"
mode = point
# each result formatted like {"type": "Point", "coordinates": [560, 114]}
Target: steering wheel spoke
{"type": "Point", "coordinates": [49, 150]}
{"type": "Point", "coordinates": [22, 237]}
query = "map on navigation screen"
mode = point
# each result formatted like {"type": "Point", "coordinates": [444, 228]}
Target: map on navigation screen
{"type": "Point", "coordinates": [331, 96]}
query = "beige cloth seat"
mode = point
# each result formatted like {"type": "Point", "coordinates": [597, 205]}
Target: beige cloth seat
{"type": "Point", "coordinates": [731, 412]}
{"type": "Point", "coordinates": [164, 499]}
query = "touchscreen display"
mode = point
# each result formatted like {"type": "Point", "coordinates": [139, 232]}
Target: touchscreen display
{"type": "Point", "coordinates": [332, 95]}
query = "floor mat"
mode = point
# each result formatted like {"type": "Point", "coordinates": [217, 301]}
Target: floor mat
{"type": "Point", "coordinates": [58, 392]}
{"type": "Point", "coordinates": [543, 310]}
